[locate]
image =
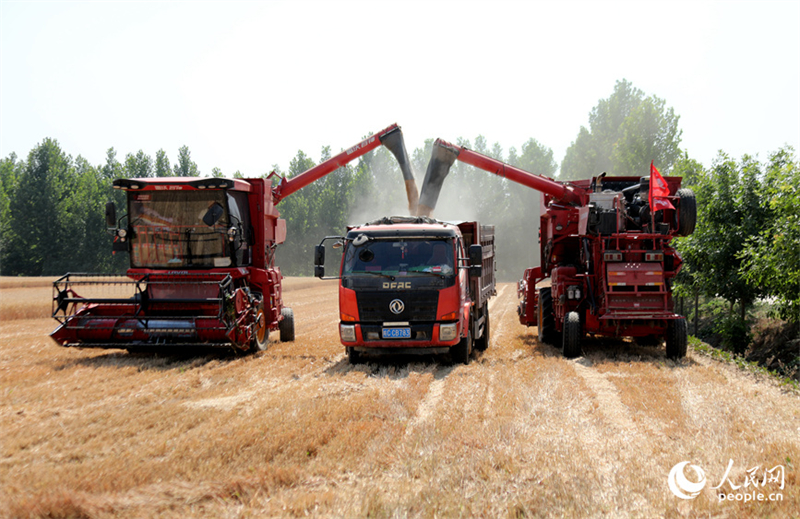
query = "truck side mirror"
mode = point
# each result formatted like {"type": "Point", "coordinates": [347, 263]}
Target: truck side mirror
{"type": "Point", "coordinates": [213, 214]}
{"type": "Point", "coordinates": [111, 215]}
{"type": "Point", "coordinates": [475, 260]}
{"type": "Point", "coordinates": [319, 255]}
{"type": "Point", "coordinates": [319, 261]}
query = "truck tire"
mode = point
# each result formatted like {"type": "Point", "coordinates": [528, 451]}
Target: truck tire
{"type": "Point", "coordinates": [572, 335]}
{"type": "Point", "coordinates": [677, 338]}
{"type": "Point", "coordinates": [483, 343]}
{"type": "Point", "coordinates": [547, 320]}
{"type": "Point", "coordinates": [353, 357]}
{"type": "Point", "coordinates": [286, 325]}
{"type": "Point", "coordinates": [461, 351]}
{"type": "Point", "coordinates": [261, 332]}
{"type": "Point", "coordinates": [687, 212]}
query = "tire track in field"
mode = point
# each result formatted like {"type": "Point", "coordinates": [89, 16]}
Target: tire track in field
{"type": "Point", "coordinates": [494, 343]}
{"type": "Point", "coordinates": [430, 402]}
{"type": "Point", "coordinates": [607, 425]}
{"type": "Point", "coordinates": [605, 393]}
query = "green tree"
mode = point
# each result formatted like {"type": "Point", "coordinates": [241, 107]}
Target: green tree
{"type": "Point", "coordinates": [10, 169]}
{"type": "Point", "coordinates": [626, 132]}
{"type": "Point", "coordinates": [185, 167]}
{"type": "Point", "coordinates": [139, 165]}
{"type": "Point", "coordinates": [771, 258]}
{"type": "Point", "coordinates": [162, 167]}
{"type": "Point", "coordinates": [40, 219]}
{"type": "Point", "coordinates": [731, 211]}
{"type": "Point", "coordinates": [112, 169]}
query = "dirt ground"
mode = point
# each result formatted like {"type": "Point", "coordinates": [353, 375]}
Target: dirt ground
{"type": "Point", "coordinates": [297, 431]}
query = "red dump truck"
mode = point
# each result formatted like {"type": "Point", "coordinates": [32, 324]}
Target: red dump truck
{"type": "Point", "coordinates": [202, 263]}
{"type": "Point", "coordinates": [414, 285]}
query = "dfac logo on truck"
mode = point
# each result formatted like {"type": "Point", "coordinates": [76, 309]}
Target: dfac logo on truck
{"type": "Point", "coordinates": [397, 306]}
{"type": "Point", "coordinates": [396, 284]}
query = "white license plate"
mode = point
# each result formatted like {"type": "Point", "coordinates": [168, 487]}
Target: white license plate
{"type": "Point", "coordinates": [396, 333]}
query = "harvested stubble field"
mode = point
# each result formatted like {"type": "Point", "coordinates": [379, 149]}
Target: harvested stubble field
{"type": "Point", "coordinates": [297, 431]}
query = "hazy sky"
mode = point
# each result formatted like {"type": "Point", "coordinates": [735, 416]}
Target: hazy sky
{"type": "Point", "coordinates": [247, 84]}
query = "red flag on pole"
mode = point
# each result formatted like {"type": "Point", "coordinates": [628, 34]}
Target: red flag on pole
{"type": "Point", "coordinates": [659, 191]}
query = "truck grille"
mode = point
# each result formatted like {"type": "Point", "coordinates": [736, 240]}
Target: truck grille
{"type": "Point", "coordinates": [373, 306]}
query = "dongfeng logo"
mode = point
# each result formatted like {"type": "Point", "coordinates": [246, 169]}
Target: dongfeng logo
{"type": "Point", "coordinates": [681, 486]}
{"type": "Point", "coordinates": [397, 306]}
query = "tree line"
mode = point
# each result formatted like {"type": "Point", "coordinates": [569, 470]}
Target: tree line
{"type": "Point", "coordinates": [746, 245]}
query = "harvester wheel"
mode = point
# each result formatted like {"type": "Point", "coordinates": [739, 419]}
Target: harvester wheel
{"type": "Point", "coordinates": [460, 352]}
{"type": "Point", "coordinates": [483, 343]}
{"type": "Point", "coordinates": [286, 325]}
{"type": "Point", "coordinates": [687, 212]}
{"type": "Point", "coordinates": [677, 338]}
{"type": "Point", "coordinates": [547, 320]}
{"type": "Point", "coordinates": [572, 335]}
{"type": "Point", "coordinates": [261, 334]}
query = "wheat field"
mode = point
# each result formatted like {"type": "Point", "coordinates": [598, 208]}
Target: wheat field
{"type": "Point", "coordinates": [296, 431]}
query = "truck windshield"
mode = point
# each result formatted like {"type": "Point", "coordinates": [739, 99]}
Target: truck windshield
{"type": "Point", "coordinates": [414, 257]}
{"type": "Point", "coordinates": [178, 229]}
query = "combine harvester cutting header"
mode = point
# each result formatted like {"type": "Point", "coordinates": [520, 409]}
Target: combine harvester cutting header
{"type": "Point", "coordinates": [605, 248]}
{"type": "Point", "coordinates": [202, 262]}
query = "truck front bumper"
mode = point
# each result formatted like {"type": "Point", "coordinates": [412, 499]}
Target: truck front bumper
{"type": "Point", "coordinates": [422, 336]}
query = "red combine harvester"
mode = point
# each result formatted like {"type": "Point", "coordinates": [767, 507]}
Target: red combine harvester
{"type": "Point", "coordinates": [202, 263]}
{"type": "Point", "coordinates": [604, 249]}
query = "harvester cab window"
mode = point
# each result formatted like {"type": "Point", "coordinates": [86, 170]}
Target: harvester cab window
{"type": "Point", "coordinates": [240, 223]}
{"type": "Point", "coordinates": [170, 229]}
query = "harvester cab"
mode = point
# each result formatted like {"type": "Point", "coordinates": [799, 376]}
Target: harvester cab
{"type": "Point", "coordinates": [202, 262]}
{"type": "Point", "coordinates": [605, 250]}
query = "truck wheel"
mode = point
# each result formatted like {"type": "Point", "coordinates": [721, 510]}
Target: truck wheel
{"type": "Point", "coordinates": [460, 352]}
{"type": "Point", "coordinates": [286, 326]}
{"type": "Point", "coordinates": [677, 339]}
{"type": "Point", "coordinates": [353, 356]}
{"type": "Point", "coordinates": [261, 333]}
{"type": "Point", "coordinates": [687, 212]}
{"type": "Point", "coordinates": [547, 320]}
{"type": "Point", "coordinates": [483, 343]}
{"type": "Point", "coordinates": [572, 335]}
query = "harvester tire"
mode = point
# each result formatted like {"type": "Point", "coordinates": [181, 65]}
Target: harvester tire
{"type": "Point", "coordinates": [547, 320]}
{"type": "Point", "coordinates": [677, 338]}
{"type": "Point", "coordinates": [460, 352]}
{"type": "Point", "coordinates": [572, 335]}
{"type": "Point", "coordinates": [286, 325]}
{"type": "Point", "coordinates": [483, 343]}
{"type": "Point", "coordinates": [261, 334]}
{"type": "Point", "coordinates": [687, 212]}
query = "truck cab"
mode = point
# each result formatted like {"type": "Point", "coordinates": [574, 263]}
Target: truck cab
{"type": "Point", "coordinates": [410, 285]}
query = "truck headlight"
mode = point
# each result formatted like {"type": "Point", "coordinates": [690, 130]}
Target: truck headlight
{"type": "Point", "coordinates": [347, 332]}
{"type": "Point", "coordinates": [448, 332]}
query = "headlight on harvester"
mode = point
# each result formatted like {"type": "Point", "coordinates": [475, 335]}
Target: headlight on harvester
{"type": "Point", "coordinates": [448, 332]}
{"type": "Point", "coordinates": [573, 293]}
{"type": "Point", "coordinates": [347, 332]}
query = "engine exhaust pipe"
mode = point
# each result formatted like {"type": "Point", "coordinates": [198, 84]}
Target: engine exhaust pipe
{"type": "Point", "coordinates": [442, 159]}
{"type": "Point", "coordinates": [394, 143]}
